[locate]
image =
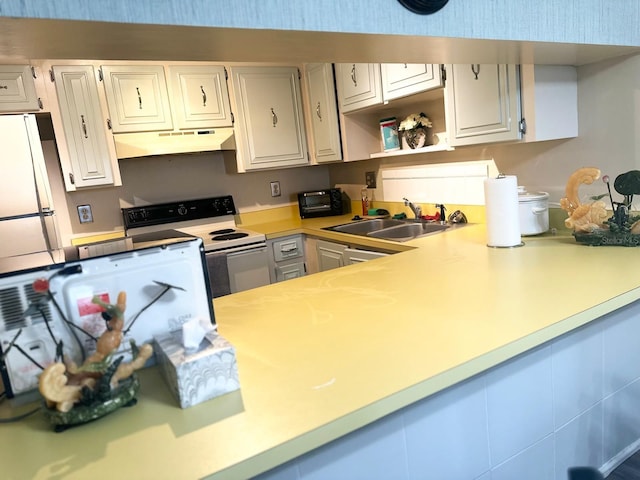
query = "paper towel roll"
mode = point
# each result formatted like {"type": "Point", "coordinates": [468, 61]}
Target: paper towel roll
{"type": "Point", "coordinates": [502, 211]}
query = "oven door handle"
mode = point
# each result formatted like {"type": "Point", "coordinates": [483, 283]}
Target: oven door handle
{"type": "Point", "coordinates": [241, 249]}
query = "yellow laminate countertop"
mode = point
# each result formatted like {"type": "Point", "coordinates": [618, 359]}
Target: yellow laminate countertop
{"type": "Point", "coordinates": [323, 355]}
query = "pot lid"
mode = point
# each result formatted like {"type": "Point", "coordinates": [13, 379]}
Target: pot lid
{"type": "Point", "coordinates": [524, 196]}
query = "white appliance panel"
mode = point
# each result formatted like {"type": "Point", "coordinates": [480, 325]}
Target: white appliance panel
{"type": "Point", "coordinates": [21, 236]}
{"type": "Point", "coordinates": [17, 182]}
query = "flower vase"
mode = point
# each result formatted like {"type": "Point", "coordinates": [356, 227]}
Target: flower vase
{"type": "Point", "coordinates": [416, 138]}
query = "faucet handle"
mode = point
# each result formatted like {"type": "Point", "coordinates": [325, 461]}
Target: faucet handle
{"type": "Point", "coordinates": [442, 208]}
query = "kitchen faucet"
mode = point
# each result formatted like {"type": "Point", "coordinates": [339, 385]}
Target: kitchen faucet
{"type": "Point", "coordinates": [417, 210]}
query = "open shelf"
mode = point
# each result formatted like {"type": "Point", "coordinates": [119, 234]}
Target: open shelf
{"type": "Point", "coordinates": [408, 151]}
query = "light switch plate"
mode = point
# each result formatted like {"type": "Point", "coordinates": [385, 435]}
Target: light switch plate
{"type": "Point", "coordinates": [84, 214]}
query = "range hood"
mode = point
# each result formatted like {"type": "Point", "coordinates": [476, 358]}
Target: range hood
{"type": "Point", "coordinates": [144, 144]}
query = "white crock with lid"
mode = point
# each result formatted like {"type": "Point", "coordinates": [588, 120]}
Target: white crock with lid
{"type": "Point", "coordinates": [533, 209]}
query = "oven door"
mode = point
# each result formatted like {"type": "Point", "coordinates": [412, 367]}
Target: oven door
{"type": "Point", "coordinates": [238, 269]}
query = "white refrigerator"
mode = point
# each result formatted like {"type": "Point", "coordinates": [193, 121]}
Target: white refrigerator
{"type": "Point", "coordinates": [28, 232]}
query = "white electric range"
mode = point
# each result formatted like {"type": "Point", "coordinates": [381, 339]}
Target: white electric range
{"type": "Point", "coordinates": [236, 257]}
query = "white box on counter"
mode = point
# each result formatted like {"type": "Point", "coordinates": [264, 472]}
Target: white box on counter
{"type": "Point", "coordinates": [195, 376]}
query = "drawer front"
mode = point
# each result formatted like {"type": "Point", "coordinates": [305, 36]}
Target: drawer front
{"type": "Point", "coordinates": [287, 248]}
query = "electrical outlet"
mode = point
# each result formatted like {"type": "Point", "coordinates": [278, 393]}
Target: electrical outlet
{"type": "Point", "coordinates": [370, 179]}
{"type": "Point", "coordinates": [275, 189]}
{"type": "Point", "coordinates": [84, 214]}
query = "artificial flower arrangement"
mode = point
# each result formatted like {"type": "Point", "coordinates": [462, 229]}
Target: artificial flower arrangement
{"type": "Point", "coordinates": [414, 129]}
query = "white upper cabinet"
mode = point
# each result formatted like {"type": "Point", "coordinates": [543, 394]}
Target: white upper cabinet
{"type": "Point", "coordinates": [137, 98]}
{"type": "Point", "coordinates": [482, 103]}
{"type": "Point", "coordinates": [497, 103]}
{"type": "Point", "coordinates": [17, 89]}
{"type": "Point", "coordinates": [323, 113]}
{"type": "Point", "coordinates": [269, 125]}
{"type": "Point", "coordinates": [87, 154]}
{"type": "Point", "coordinates": [359, 85]}
{"type": "Point", "coordinates": [404, 79]}
{"type": "Point", "coordinates": [200, 96]}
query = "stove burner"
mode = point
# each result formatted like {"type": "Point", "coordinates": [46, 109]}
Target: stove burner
{"type": "Point", "coordinates": [230, 236]}
{"type": "Point", "coordinates": [222, 231]}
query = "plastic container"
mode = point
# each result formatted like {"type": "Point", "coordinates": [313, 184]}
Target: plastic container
{"type": "Point", "coordinates": [389, 133]}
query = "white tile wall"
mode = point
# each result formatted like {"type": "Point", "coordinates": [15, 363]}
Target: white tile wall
{"type": "Point", "coordinates": [621, 419]}
{"type": "Point", "coordinates": [533, 463]}
{"type": "Point", "coordinates": [577, 372]}
{"type": "Point", "coordinates": [519, 404]}
{"type": "Point", "coordinates": [579, 442]}
{"type": "Point", "coordinates": [621, 352]}
{"type": "Point", "coordinates": [574, 401]}
{"type": "Point", "coordinates": [445, 429]}
{"type": "Point", "coordinates": [375, 452]}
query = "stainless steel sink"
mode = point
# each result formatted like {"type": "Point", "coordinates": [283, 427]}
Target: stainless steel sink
{"type": "Point", "coordinates": [408, 231]}
{"type": "Point", "coordinates": [367, 226]}
{"type": "Point", "coordinates": [390, 229]}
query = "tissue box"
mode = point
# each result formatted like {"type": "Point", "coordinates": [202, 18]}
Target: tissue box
{"type": "Point", "coordinates": [199, 375]}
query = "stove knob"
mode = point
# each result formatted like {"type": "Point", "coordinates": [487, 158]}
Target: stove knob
{"type": "Point", "coordinates": [182, 210]}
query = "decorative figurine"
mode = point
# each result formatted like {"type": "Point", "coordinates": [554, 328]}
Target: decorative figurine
{"type": "Point", "coordinates": [591, 223]}
{"type": "Point", "coordinates": [101, 384]}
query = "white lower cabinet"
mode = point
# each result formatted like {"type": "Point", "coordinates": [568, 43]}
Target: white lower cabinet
{"type": "Point", "coordinates": [335, 255]}
{"type": "Point", "coordinates": [269, 127]}
{"type": "Point", "coordinates": [356, 255]}
{"type": "Point", "coordinates": [87, 153]}
{"type": "Point", "coordinates": [330, 255]}
{"type": "Point", "coordinates": [286, 258]}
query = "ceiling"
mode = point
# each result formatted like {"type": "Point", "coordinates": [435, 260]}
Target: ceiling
{"type": "Point", "coordinates": [66, 39]}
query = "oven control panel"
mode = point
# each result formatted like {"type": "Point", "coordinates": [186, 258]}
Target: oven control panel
{"type": "Point", "coordinates": [162, 213]}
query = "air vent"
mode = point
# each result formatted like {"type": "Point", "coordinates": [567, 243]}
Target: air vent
{"type": "Point", "coordinates": [14, 301]}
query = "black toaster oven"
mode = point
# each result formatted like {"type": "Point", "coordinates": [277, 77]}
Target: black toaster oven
{"type": "Point", "coordinates": [320, 203]}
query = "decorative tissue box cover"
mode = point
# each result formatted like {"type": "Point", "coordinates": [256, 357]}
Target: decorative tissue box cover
{"type": "Point", "coordinates": [196, 376]}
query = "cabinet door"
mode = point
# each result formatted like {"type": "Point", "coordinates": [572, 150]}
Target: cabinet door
{"type": "Point", "coordinates": [17, 89]}
{"type": "Point", "coordinates": [353, 255]}
{"type": "Point", "coordinates": [482, 103]}
{"type": "Point", "coordinates": [201, 96]}
{"type": "Point", "coordinates": [330, 255]}
{"type": "Point", "coordinates": [359, 85]}
{"type": "Point", "coordinates": [403, 79]}
{"type": "Point", "coordinates": [270, 123]}
{"type": "Point", "coordinates": [324, 113]}
{"type": "Point", "coordinates": [137, 98]}
{"type": "Point", "coordinates": [90, 160]}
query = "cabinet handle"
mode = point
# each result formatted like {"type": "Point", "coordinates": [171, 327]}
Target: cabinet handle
{"type": "Point", "coordinates": [84, 126]}
{"type": "Point", "coordinates": [139, 98]}
{"type": "Point", "coordinates": [4, 87]}
{"type": "Point", "coordinates": [204, 96]}
{"type": "Point", "coordinates": [274, 118]}
{"type": "Point", "coordinates": [475, 68]}
{"type": "Point", "coordinates": [318, 113]}
{"type": "Point", "coordinates": [406, 66]}
{"type": "Point", "coordinates": [354, 77]}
